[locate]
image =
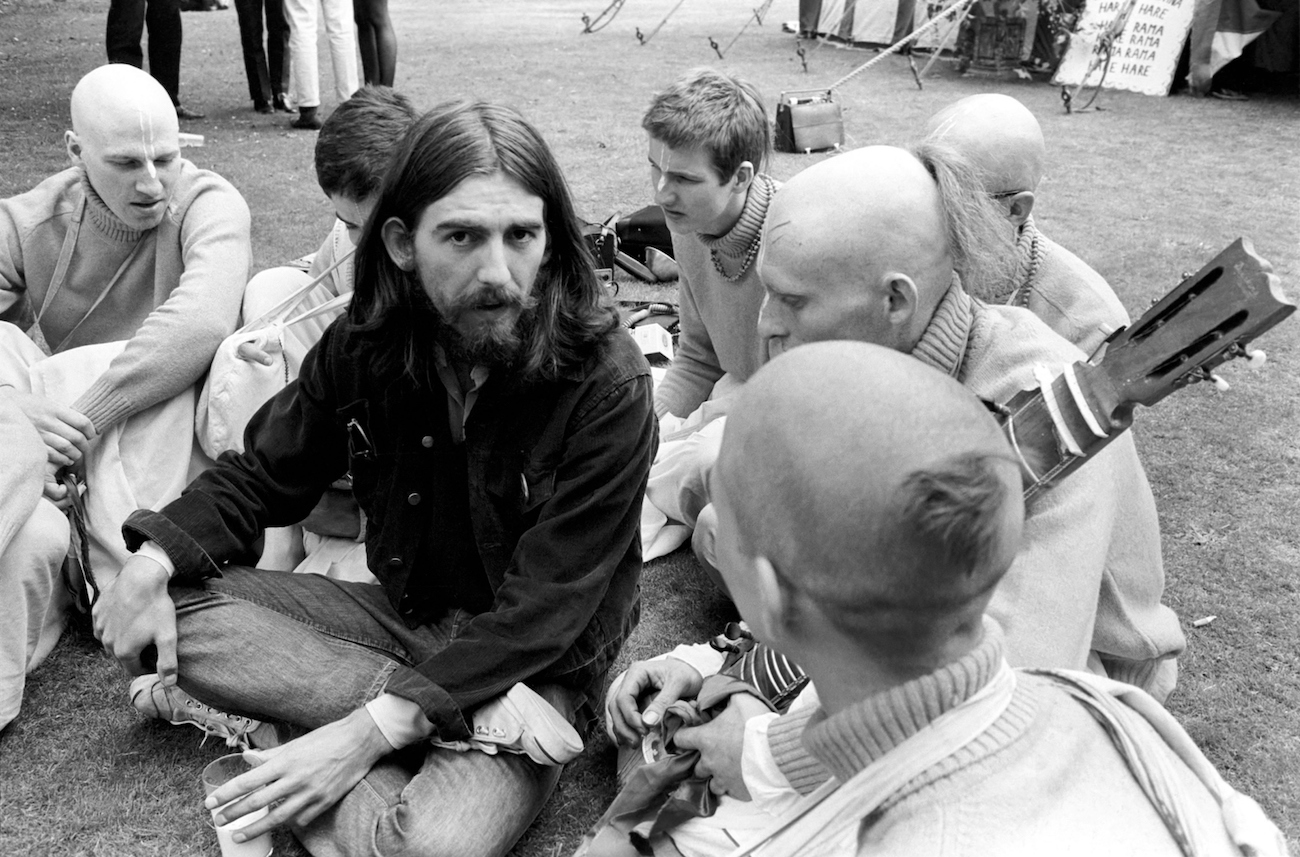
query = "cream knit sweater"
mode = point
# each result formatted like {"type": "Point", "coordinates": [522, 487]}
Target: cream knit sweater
{"type": "Point", "coordinates": [719, 318]}
{"type": "Point", "coordinates": [1044, 778]}
{"type": "Point", "coordinates": [174, 302]}
{"type": "Point", "coordinates": [1062, 290]}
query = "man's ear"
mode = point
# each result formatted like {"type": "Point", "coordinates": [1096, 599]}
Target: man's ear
{"type": "Point", "coordinates": [1020, 207]}
{"type": "Point", "coordinates": [902, 297]}
{"type": "Point", "coordinates": [743, 178]}
{"type": "Point", "coordinates": [398, 243]}
{"type": "Point", "coordinates": [73, 144]}
{"type": "Point", "coordinates": [774, 599]}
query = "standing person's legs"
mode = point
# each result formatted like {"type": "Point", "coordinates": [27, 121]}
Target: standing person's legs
{"type": "Point", "coordinates": [302, 52]}
{"type": "Point", "coordinates": [277, 51]}
{"type": "Point", "coordinates": [340, 29]}
{"type": "Point", "coordinates": [249, 13]}
{"type": "Point", "coordinates": [163, 19]}
{"type": "Point", "coordinates": [377, 40]}
{"type": "Point", "coordinates": [124, 31]}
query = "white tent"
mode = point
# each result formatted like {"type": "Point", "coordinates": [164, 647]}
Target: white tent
{"type": "Point", "coordinates": [880, 22]}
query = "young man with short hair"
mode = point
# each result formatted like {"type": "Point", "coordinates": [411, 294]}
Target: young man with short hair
{"type": "Point", "coordinates": [708, 140]}
{"type": "Point", "coordinates": [353, 149]}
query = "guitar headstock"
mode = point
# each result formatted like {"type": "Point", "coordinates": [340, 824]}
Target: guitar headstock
{"type": "Point", "coordinates": [1205, 321]}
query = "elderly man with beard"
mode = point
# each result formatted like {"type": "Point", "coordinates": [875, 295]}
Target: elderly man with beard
{"type": "Point", "coordinates": [498, 424]}
{"type": "Point", "coordinates": [1003, 141]}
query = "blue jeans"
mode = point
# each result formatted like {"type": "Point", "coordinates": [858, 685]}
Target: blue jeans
{"type": "Point", "coordinates": [307, 650]}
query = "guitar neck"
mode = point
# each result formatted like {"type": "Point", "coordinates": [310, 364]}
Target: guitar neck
{"type": "Point", "coordinates": [1206, 320]}
{"type": "Point", "coordinates": [1056, 428]}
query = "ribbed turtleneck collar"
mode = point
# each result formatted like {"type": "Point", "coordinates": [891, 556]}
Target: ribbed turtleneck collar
{"type": "Point", "coordinates": [943, 344]}
{"type": "Point", "coordinates": [859, 735]}
{"type": "Point", "coordinates": [735, 243]}
{"type": "Point", "coordinates": [105, 221]}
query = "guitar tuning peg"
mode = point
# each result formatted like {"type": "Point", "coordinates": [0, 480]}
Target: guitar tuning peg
{"type": "Point", "coordinates": [1256, 359]}
{"type": "Point", "coordinates": [1202, 374]}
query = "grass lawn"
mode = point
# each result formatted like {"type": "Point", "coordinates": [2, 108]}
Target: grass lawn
{"type": "Point", "coordinates": [1144, 190]}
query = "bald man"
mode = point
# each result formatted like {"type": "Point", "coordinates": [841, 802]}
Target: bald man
{"type": "Point", "coordinates": [131, 245]}
{"type": "Point", "coordinates": [858, 247]}
{"type": "Point", "coordinates": [1003, 140]}
{"type": "Point", "coordinates": [840, 451]}
{"type": "Point", "coordinates": [865, 247]}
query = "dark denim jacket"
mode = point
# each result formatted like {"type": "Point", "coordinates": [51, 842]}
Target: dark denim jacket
{"type": "Point", "coordinates": [556, 472]}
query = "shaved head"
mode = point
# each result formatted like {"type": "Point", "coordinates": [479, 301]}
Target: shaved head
{"type": "Point", "coordinates": [121, 99]}
{"type": "Point", "coordinates": [859, 242]}
{"type": "Point", "coordinates": [125, 134]}
{"type": "Point", "coordinates": [878, 486]}
{"type": "Point", "coordinates": [863, 246]}
{"type": "Point", "coordinates": [998, 135]}
{"type": "Point", "coordinates": [821, 216]}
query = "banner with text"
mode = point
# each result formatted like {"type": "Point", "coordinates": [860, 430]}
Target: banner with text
{"type": "Point", "coordinates": [1143, 56]}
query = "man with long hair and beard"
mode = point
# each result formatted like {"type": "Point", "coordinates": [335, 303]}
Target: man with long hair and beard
{"type": "Point", "coordinates": [498, 426]}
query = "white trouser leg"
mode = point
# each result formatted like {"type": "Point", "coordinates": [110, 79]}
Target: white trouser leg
{"type": "Point", "coordinates": [302, 52]}
{"type": "Point", "coordinates": [341, 31]}
{"type": "Point", "coordinates": [33, 602]}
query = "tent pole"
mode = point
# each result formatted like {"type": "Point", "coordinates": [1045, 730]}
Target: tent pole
{"type": "Point", "coordinates": [964, 5]}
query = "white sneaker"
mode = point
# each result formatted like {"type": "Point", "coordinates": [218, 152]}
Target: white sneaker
{"type": "Point", "coordinates": [152, 699]}
{"type": "Point", "coordinates": [520, 721]}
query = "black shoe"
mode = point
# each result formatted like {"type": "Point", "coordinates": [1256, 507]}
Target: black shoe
{"type": "Point", "coordinates": [262, 107]}
{"type": "Point", "coordinates": [183, 112]}
{"type": "Point", "coordinates": [307, 119]}
{"type": "Point", "coordinates": [280, 104]}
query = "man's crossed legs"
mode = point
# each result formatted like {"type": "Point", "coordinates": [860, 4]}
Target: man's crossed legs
{"type": "Point", "coordinates": [306, 651]}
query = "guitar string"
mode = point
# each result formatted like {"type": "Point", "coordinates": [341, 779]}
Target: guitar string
{"type": "Point", "coordinates": [1015, 445]}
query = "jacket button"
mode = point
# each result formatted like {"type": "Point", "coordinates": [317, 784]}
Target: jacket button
{"type": "Point", "coordinates": [395, 562]}
{"type": "Point", "coordinates": [413, 498]}
{"type": "Point", "coordinates": [426, 441]}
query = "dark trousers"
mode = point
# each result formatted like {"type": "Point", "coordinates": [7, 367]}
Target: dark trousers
{"type": "Point", "coordinates": [267, 70]}
{"type": "Point", "coordinates": [127, 20]}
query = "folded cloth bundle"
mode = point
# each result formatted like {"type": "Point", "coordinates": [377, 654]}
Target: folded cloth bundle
{"type": "Point", "coordinates": [658, 788]}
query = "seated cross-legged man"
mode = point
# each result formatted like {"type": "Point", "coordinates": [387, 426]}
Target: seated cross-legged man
{"type": "Point", "coordinates": [353, 148]}
{"type": "Point", "coordinates": [119, 278]}
{"type": "Point", "coordinates": [868, 505]}
{"type": "Point", "coordinates": [1004, 142]}
{"type": "Point", "coordinates": [709, 138]}
{"type": "Point", "coordinates": [498, 424]}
